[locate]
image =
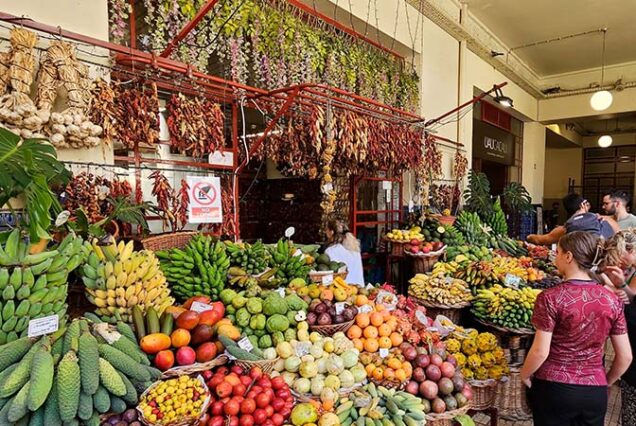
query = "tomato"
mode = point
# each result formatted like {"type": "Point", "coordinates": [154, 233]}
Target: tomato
{"type": "Point", "coordinates": [278, 383]}
{"type": "Point", "coordinates": [264, 382]}
{"type": "Point", "coordinates": [256, 373]}
{"type": "Point", "coordinates": [232, 408]}
{"type": "Point", "coordinates": [237, 369]}
{"type": "Point", "coordinates": [207, 375]}
{"type": "Point", "coordinates": [284, 393]}
{"type": "Point", "coordinates": [278, 419]}
{"type": "Point", "coordinates": [270, 393]}
{"type": "Point", "coordinates": [224, 389]}
{"type": "Point", "coordinates": [239, 389]}
{"type": "Point", "coordinates": [257, 389]}
{"type": "Point", "coordinates": [260, 416]}
{"type": "Point", "coordinates": [246, 380]}
{"type": "Point", "coordinates": [269, 410]}
{"type": "Point", "coordinates": [216, 421]}
{"type": "Point", "coordinates": [246, 420]}
{"type": "Point", "coordinates": [217, 408]}
{"type": "Point", "coordinates": [251, 394]}
{"type": "Point", "coordinates": [262, 400]}
{"type": "Point", "coordinates": [223, 371]}
{"type": "Point", "coordinates": [278, 404]}
{"type": "Point", "coordinates": [248, 406]}
{"type": "Point", "coordinates": [215, 381]}
{"type": "Point", "coordinates": [268, 422]}
{"type": "Point", "coordinates": [234, 421]}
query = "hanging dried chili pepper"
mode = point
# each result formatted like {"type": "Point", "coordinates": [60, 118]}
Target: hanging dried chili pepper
{"type": "Point", "coordinates": [163, 192]}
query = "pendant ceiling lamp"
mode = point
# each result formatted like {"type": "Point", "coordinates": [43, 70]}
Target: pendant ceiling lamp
{"type": "Point", "coordinates": [602, 99]}
{"type": "Point", "coordinates": [606, 140]}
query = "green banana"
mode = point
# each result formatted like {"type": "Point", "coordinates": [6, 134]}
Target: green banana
{"type": "Point", "coordinates": [34, 259]}
{"type": "Point", "coordinates": [16, 278]}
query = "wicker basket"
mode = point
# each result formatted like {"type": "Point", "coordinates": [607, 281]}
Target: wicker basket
{"type": "Point", "coordinates": [433, 309]}
{"type": "Point", "coordinates": [168, 240]}
{"type": "Point", "coordinates": [331, 329]}
{"type": "Point", "coordinates": [424, 262]}
{"type": "Point", "coordinates": [484, 394]}
{"type": "Point", "coordinates": [316, 276]}
{"type": "Point", "coordinates": [188, 370]}
{"type": "Point", "coordinates": [397, 247]}
{"type": "Point", "coordinates": [266, 365]}
{"type": "Point", "coordinates": [511, 398]}
{"type": "Point", "coordinates": [446, 419]}
{"type": "Point", "coordinates": [445, 220]}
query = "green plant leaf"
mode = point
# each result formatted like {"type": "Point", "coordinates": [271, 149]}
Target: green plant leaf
{"type": "Point", "coordinates": [477, 195]}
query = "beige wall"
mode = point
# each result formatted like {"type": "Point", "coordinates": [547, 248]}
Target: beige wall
{"type": "Point", "coordinates": [561, 164]}
{"type": "Point", "coordinates": [533, 165]}
{"type": "Point", "coordinates": [566, 107]}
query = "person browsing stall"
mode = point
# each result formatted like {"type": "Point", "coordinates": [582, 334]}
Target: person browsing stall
{"type": "Point", "coordinates": [343, 246]}
{"type": "Point", "coordinates": [615, 204]}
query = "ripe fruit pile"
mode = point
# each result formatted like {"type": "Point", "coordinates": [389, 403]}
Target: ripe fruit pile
{"type": "Point", "coordinates": [506, 307]}
{"type": "Point", "coordinates": [247, 398]}
{"type": "Point", "coordinates": [326, 313]}
{"type": "Point", "coordinates": [338, 290]}
{"type": "Point", "coordinates": [192, 337]}
{"type": "Point", "coordinates": [392, 370]}
{"type": "Point", "coordinates": [438, 382]}
{"type": "Point", "coordinates": [73, 375]}
{"type": "Point", "coordinates": [441, 289]}
{"type": "Point", "coordinates": [465, 254]}
{"type": "Point", "coordinates": [174, 400]}
{"type": "Point", "coordinates": [118, 278]}
{"type": "Point", "coordinates": [416, 247]}
{"type": "Point", "coordinates": [379, 405]}
{"type": "Point", "coordinates": [375, 330]}
{"type": "Point", "coordinates": [479, 356]}
{"type": "Point", "coordinates": [252, 258]}
{"type": "Point", "coordinates": [498, 270]}
{"type": "Point", "coordinates": [404, 235]}
{"type": "Point", "coordinates": [200, 269]}
{"type": "Point", "coordinates": [288, 265]}
{"type": "Point", "coordinates": [469, 224]}
{"type": "Point", "coordinates": [34, 285]}
{"type": "Point", "coordinates": [324, 263]}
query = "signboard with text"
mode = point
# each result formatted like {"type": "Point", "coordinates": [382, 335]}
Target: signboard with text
{"type": "Point", "coordinates": [493, 144]}
{"type": "Point", "coordinates": [205, 199]}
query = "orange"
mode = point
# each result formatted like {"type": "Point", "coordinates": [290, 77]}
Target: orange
{"type": "Point", "coordinates": [400, 375]}
{"type": "Point", "coordinates": [389, 373]}
{"type": "Point", "coordinates": [370, 332]}
{"type": "Point", "coordinates": [369, 369]}
{"type": "Point", "coordinates": [371, 345]}
{"type": "Point", "coordinates": [362, 320]}
{"type": "Point", "coordinates": [354, 332]}
{"type": "Point", "coordinates": [376, 319]}
{"type": "Point", "coordinates": [358, 344]}
{"type": "Point", "coordinates": [384, 342]}
{"type": "Point", "coordinates": [361, 300]}
{"type": "Point", "coordinates": [379, 307]}
{"type": "Point", "coordinates": [392, 323]}
{"type": "Point", "coordinates": [408, 368]}
{"type": "Point", "coordinates": [386, 315]}
{"type": "Point", "coordinates": [394, 363]}
{"type": "Point", "coordinates": [180, 337]}
{"type": "Point", "coordinates": [384, 330]}
{"type": "Point", "coordinates": [396, 339]}
{"type": "Point", "coordinates": [378, 373]}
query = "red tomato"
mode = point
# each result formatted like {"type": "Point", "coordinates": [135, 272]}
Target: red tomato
{"type": "Point", "coordinates": [232, 408]}
{"type": "Point", "coordinates": [246, 420]}
{"type": "Point", "coordinates": [262, 400]}
{"type": "Point", "coordinates": [239, 390]}
{"type": "Point", "coordinates": [224, 389]}
{"type": "Point", "coordinates": [260, 416]}
{"type": "Point", "coordinates": [270, 392]}
{"type": "Point", "coordinates": [215, 381]}
{"type": "Point", "coordinates": [268, 422]}
{"type": "Point", "coordinates": [284, 393]}
{"type": "Point", "coordinates": [248, 406]}
{"type": "Point", "coordinates": [256, 373]}
{"type": "Point", "coordinates": [237, 369]}
{"type": "Point", "coordinates": [217, 408]}
{"type": "Point", "coordinates": [251, 394]}
{"type": "Point", "coordinates": [269, 410]}
{"type": "Point", "coordinates": [246, 380]}
{"type": "Point", "coordinates": [265, 382]}
{"type": "Point", "coordinates": [257, 389]}
{"type": "Point", "coordinates": [278, 383]}
{"type": "Point", "coordinates": [278, 419]}
{"type": "Point", "coordinates": [278, 404]}
{"type": "Point", "coordinates": [216, 421]}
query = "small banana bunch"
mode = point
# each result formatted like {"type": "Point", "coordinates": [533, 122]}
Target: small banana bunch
{"type": "Point", "coordinates": [441, 289]}
{"type": "Point", "coordinates": [117, 278]}
{"type": "Point", "coordinates": [446, 268]}
{"type": "Point", "coordinates": [379, 405]}
{"type": "Point", "coordinates": [507, 307]}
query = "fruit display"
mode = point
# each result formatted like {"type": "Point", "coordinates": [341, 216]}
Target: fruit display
{"type": "Point", "coordinates": [392, 370]}
{"type": "Point", "coordinates": [417, 247]}
{"type": "Point", "coordinates": [247, 353]}
{"type": "Point", "coordinates": [325, 264]}
{"type": "Point", "coordinates": [406, 235]}
{"type": "Point", "coordinates": [200, 269]}
{"type": "Point", "coordinates": [34, 285]}
{"type": "Point", "coordinates": [251, 258]}
{"type": "Point", "coordinates": [506, 307]}
{"type": "Point", "coordinates": [327, 313]}
{"type": "Point", "coordinates": [247, 397]}
{"type": "Point", "coordinates": [471, 227]}
{"type": "Point", "coordinates": [337, 291]}
{"type": "Point", "coordinates": [320, 366]}
{"type": "Point", "coordinates": [129, 417]}
{"type": "Point", "coordinates": [478, 355]}
{"type": "Point", "coordinates": [496, 219]}
{"type": "Point", "coordinates": [468, 253]}
{"type": "Point", "coordinates": [451, 236]}
{"type": "Point", "coordinates": [288, 263]}
{"type": "Point", "coordinates": [379, 404]}
{"type": "Point", "coordinates": [173, 400]}
{"type": "Point", "coordinates": [73, 375]}
{"type": "Point", "coordinates": [439, 289]}
{"type": "Point", "coordinates": [511, 271]}
{"type": "Point", "coordinates": [117, 278]}
{"type": "Point", "coordinates": [375, 330]}
{"type": "Point", "coordinates": [184, 337]}
{"type": "Point", "coordinates": [267, 319]}
{"type": "Point", "coordinates": [508, 246]}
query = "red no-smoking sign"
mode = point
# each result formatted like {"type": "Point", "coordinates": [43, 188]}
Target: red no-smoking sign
{"type": "Point", "coordinates": [205, 200]}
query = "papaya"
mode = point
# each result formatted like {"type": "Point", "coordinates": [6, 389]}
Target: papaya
{"type": "Point", "coordinates": [156, 342]}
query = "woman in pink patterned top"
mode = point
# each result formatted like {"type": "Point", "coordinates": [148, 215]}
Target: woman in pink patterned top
{"type": "Point", "coordinates": [573, 320]}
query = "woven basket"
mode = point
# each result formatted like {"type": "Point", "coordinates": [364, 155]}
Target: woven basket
{"type": "Point", "coordinates": [445, 220]}
{"type": "Point", "coordinates": [331, 329]}
{"type": "Point", "coordinates": [452, 312]}
{"type": "Point", "coordinates": [266, 365]}
{"type": "Point", "coordinates": [187, 370]}
{"type": "Point", "coordinates": [484, 394]}
{"type": "Point", "coordinates": [390, 383]}
{"type": "Point", "coordinates": [168, 241]}
{"type": "Point", "coordinates": [511, 398]}
{"type": "Point", "coordinates": [424, 262]}
{"type": "Point", "coordinates": [316, 276]}
{"type": "Point", "coordinates": [446, 419]}
{"type": "Point", "coordinates": [521, 331]}
{"type": "Point", "coordinates": [397, 247]}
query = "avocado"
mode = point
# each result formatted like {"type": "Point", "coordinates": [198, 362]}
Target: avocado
{"type": "Point", "coordinates": [323, 259]}
{"type": "Point", "coordinates": [334, 266]}
{"type": "Point", "coordinates": [321, 267]}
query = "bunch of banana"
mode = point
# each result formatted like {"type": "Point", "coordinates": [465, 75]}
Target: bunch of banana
{"type": "Point", "coordinates": [470, 226]}
{"type": "Point", "coordinates": [200, 269]}
{"type": "Point", "coordinates": [380, 406]}
{"type": "Point", "coordinates": [117, 278]}
{"type": "Point", "coordinates": [447, 268]}
{"type": "Point", "coordinates": [507, 307]}
{"type": "Point", "coordinates": [252, 258]}
{"type": "Point", "coordinates": [480, 274]}
{"type": "Point", "coordinates": [441, 289]}
{"type": "Point", "coordinates": [34, 285]}
{"type": "Point", "coordinates": [288, 262]}
{"type": "Point", "coordinates": [497, 219]}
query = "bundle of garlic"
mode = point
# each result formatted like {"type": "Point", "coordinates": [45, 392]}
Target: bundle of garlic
{"type": "Point", "coordinates": [71, 127]}
{"type": "Point", "coordinates": [17, 111]}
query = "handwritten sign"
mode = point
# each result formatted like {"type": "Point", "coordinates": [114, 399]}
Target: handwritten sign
{"type": "Point", "coordinates": [327, 279]}
{"type": "Point", "coordinates": [42, 326]}
{"type": "Point", "coordinates": [200, 307]}
{"type": "Point", "coordinates": [340, 307]}
{"type": "Point", "coordinates": [384, 352]}
{"type": "Point", "coordinates": [245, 344]}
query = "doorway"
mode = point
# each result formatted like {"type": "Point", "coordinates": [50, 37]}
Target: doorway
{"type": "Point", "coordinates": [497, 174]}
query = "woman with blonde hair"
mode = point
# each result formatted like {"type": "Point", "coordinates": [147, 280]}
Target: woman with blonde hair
{"type": "Point", "coordinates": [343, 246]}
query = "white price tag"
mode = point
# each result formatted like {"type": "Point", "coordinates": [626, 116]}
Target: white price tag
{"type": "Point", "coordinates": [326, 188]}
{"type": "Point", "coordinates": [327, 279]}
{"type": "Point", "coordinates": [302, 348]}
{"type": "Point", "coordinates": [387, 185]}
{"type": "Point", "coordinates": [298, 252]}
{"type": "Point", "coordinates": [281, 291]}
{"type": "Point", "coordinates": [41, 326]}
{"type": "Point", "coordinates": [245, 344]}
{"type": "Point", "coordinates": [512, 280]}
{"type": "Point", "coordinates": [384, 352]}
{"type": "Point", "coordinates": [370, 287]}
{"type": "Point", "coordinates": [340, 307]}
{"type": "Point", "coordinates": [365, 309]}
{"type": "Point", "coordinates": [200, 307]}
{"type": "Point", "coordinates": [229, 356]}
